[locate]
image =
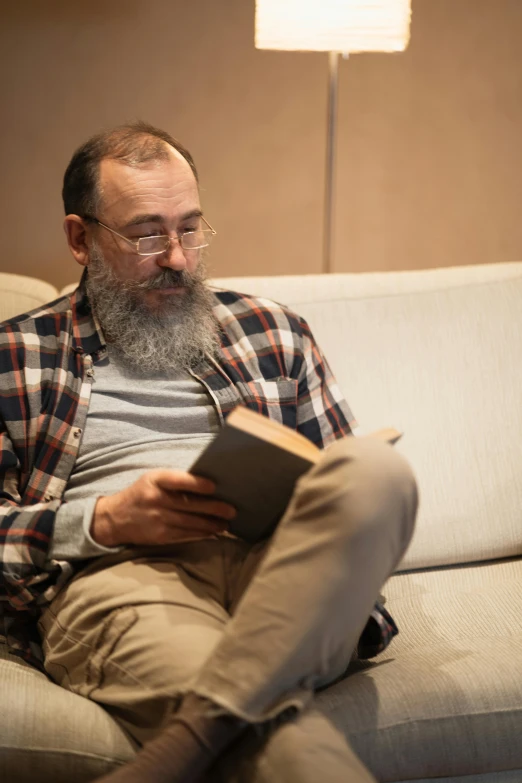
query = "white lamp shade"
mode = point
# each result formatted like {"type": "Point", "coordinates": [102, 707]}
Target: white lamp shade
{"type": "Point", "coordinates": [333, 25]}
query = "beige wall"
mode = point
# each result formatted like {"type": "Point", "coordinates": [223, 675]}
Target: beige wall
{"type": "Point", "coordinates": [430, 151]}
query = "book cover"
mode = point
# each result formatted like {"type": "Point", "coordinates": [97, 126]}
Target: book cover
{"type": "Point", "coordinates": [255, 463]}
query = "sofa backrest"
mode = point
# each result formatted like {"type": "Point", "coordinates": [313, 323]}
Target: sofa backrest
{"type": "Point", "coordinates": [436, 354]}
{"type": "Point", "coordinates": [19, 294]}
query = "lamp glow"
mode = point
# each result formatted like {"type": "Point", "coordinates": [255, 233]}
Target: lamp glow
{"type": "Point", "coordinates": [333, 25]}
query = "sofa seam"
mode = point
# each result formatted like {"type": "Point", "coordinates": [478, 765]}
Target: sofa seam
{"type": "Point", "coordinates": [65, 752]}
{"type": "Point", "coordinates": [438, 719]}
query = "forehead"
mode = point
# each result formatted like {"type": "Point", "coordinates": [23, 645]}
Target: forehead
{"type": "Point", "coordinates": [163, 187]}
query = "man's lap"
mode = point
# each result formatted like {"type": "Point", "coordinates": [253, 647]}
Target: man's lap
{"type": "Point", "coordinates": [296, 626]}
{"type": "Point", "coordinates": [133, 633]}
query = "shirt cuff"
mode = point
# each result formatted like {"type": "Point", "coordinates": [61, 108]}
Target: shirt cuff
{"type": "Point", "coordinates": [72, 539]}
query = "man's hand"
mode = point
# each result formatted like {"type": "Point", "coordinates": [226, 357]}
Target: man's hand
{"type": "Point", "coordinates": [161, 507]}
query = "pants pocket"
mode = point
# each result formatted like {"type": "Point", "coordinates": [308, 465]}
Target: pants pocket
{"type": "Point", "coordinates": [113, 628]}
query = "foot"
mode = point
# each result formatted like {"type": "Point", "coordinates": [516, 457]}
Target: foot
{"type": "Point", "coordinates": [185, 750]}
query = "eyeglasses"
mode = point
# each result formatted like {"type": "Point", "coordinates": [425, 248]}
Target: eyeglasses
{"type": "Point", "coordinates": [154, 245]}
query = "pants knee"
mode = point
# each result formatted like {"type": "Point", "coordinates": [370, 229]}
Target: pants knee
{"type": "Point", "coordinates": [369, 482]}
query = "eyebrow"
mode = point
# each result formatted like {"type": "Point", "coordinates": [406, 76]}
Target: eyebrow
{"type": "Point", "coordinates": [156, 218]}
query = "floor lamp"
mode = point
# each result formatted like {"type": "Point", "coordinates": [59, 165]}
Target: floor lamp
{"type": "Point", "coordinates": [337, 27]}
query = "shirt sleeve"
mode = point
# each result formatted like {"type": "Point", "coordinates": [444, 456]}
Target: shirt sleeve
{"type": "Point", "coordinates": [72, 539]}
{"type": "Point", "coordinates": [323, 415]}
{"type": "Point", "coordinates": [377, 634]}
{"type": "Point", "coordinates": [33, 538]}
{"type": "Point", "coordinates": [25, 535]}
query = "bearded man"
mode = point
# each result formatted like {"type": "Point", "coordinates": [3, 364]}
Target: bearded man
{"type": "Point", "coordinates": [206, 648]}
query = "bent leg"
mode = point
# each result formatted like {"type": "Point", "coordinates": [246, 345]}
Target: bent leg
{"type": "Point", "coordinates": [296, 625]}
{"type": "Point", "coordinates": [298, 622]}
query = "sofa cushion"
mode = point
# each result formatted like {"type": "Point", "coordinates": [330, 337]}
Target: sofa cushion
{"type": "Point", "coordinates": [19, 294]}
{"type": "Point", "coordinates": [512, 776]}
{"type": "Point", "coordinates": [437, 358]}
{"type": "Point", "coordinates": [445, 699]}
{"type": "Point", "coordinates": [50, 735]}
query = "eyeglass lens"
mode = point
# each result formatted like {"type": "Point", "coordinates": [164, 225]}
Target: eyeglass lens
{"type": "Point", "coordinates": [191, 240]}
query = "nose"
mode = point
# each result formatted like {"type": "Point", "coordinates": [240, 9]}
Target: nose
{"type": "Point", "coordinates": [173, 257]}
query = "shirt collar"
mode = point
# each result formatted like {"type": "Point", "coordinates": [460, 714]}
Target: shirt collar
{"type": "Point", "coordinates": [88, 335]}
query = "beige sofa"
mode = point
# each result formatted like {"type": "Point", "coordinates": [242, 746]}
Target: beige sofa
{"type": "Point", "coordinates": [437, 354]}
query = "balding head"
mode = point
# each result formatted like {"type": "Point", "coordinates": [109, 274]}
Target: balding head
{"type": "Point", "coordinates": [136, 144]}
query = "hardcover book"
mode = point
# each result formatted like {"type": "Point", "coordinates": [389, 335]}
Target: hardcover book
{"type": "Point", "coordinates": [255, 463]}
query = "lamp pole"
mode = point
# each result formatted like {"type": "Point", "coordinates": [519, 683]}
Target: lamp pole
{"type": "Point", "coordinates": [335, 27]}
{"type": "Point", "coordinates": [331, 150]}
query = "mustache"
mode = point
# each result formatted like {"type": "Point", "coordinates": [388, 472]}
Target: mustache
{"type": "Point", "coordinates": [168, 278]}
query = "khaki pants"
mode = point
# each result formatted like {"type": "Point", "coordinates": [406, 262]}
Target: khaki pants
{"type": "Point", "coordinates": [256, 629]}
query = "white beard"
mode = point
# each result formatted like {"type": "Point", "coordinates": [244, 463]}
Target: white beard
{"type": "Point", "coordinates": [175, 336]}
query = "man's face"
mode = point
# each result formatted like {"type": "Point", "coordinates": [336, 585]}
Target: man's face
{"type": "Point", "coordinates": [161, 198]}
{"type": "Point", "coordinates": [156, 310]}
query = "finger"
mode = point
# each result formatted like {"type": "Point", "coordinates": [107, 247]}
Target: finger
{"type": "Point", "coordinates": [197, 504]}
{"type": "Point", "coordinates": [174, 481]}
{"type": "Point", "coordinates": [194, 523]}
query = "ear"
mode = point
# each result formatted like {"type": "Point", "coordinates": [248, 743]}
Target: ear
{"type": "Point", "coordinates": [76, 233]}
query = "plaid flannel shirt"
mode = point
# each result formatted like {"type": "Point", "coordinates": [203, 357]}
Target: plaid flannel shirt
{"type": "Point", "coordinates": [268, 360]}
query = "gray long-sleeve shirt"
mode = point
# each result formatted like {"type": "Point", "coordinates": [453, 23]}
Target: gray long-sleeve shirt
{"type": "Point", "coordinates": [134, 424]}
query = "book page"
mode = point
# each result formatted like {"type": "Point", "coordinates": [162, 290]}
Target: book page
{"type": "Point", "coordinates": [271, 431]}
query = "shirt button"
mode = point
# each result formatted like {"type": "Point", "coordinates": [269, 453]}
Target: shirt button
{"type": "Point", "coordinates": [77, 433]}
{"type": "Point", "coordinates": [90, 373]}
{"type": "Point", "coordinates": [48, 498]}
